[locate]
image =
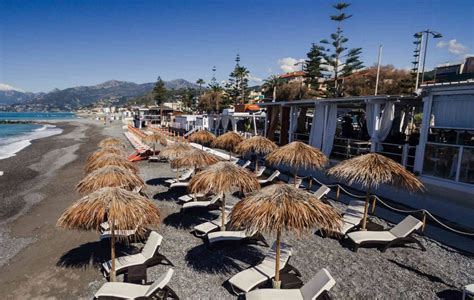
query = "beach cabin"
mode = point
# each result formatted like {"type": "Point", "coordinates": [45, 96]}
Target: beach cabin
{"type": "Point", "coordinates": [431, 135]}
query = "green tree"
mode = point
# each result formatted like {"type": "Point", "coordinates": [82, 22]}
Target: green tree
{"type": "Point", "coordinates": [314, 68]}
{"type": "Point", "coordinates": [200, 82]}
{"type": "Point", "coordinates": [271, 84]}
{"type": "Point", "coordinates": [340, 60]}
{"type": "Point", "coordinates": [160, 94]}
{"type": "Point", "coordinates": [237, 84]}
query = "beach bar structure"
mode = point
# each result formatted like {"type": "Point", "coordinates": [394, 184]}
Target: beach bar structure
{"type": "Point", "coordinates": [431, 135]}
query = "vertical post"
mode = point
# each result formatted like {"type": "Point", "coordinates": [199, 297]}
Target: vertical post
{"type": "Point", "coordinates": [424, 222]}
{"type": "Point", "coordinates": [374, 202]}
{"type": "Point", "coordinates": [374, 137]}
{"type": "Point", "coordinates": [424, 57]}
{"type": "Point", "coordinates": [378, 70]}
{"type": "Point", "coordinates": [223, 213]}
{"type": "Point", "coordinates": [338, 192]}
{"type": "Point", "coordinates": [112, 251]}
{"type": "Point", "coordinates": [366, 209]}
{"type": "Point", "coordinates": [276, 283]}
{"type": "Point", "coordinates": [418, 66]}
{"type": "Point", "coordinates": [458, 163]}
{"type": "Point", "coordinates": [405, 154]}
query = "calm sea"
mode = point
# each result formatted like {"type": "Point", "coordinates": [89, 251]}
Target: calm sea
{"type": "Point", "coordinates": [15, 137]}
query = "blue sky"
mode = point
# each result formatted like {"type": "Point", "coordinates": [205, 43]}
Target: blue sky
{"type": "Point", "coordinates": [58, 44]}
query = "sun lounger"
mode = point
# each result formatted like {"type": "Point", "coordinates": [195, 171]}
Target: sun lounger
{"type": "Point", "coordinates": [179, 185]}
{"type": "Point", "coordinates": [351, 218]}
{"type": "Point", "coordinates": [399, 235]}
{"type": "Point", "coordinates": [244, 164]}
{"type": "Point", "coordinates": [185, 176]}
{"type": "Point", "coordinates": [212, 203]}
{"type": "Point", "coordinates": [124, 290]}
{"type": "Point", "coordinates": [270, 178]}
{"type": "Point", "coordinates": [205, 228]}
{"type": "Point", "coordinates": [235, 236]}
{"type": "Point", "coordinates": [190, 197]}
{"type": "Point", "coordinates": [149, 256]}
{"type": "Point", "coordinates": [321, 283]}
{"type": "Point", "coordinates": [249, 279]}
{"type": "Point", "coordinates": [260, 171]}
{"type": "Point", "coordinates": [121, 234]}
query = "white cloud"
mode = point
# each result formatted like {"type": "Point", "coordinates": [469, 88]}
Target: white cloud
{"type": "Point", "coordinates": [7, 87]}
{"type": "Point", "coordinates": [453, 47]}
{"type": "Point", "coordinates": [254, 79]}
{"type": "Point", "coordinates": [287, 64]}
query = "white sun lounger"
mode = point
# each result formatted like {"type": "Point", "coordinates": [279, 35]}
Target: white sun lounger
{"type": "Point", "coordinates": [179, 184]}
{"type": "Point", "coordinates": [320, 283]}
{"type": "Point", "coordinates": [247, 280]}
{"type": "Point", "coordinates": [190, 197]}
{"type": "Point", "coordinates": [270, 178]}
{"type": "Point", "coordinates": [260, 171]}
{"type": "Point", "coordinates": [148, 256]}
{"type": "Point", "coordinates": [398, 235]}
{"type": "Point", "coordinates": [124, 290]}
{"type": "Point", "coordinates": [107, 234]}
{"type": "Point", "coordinates": [185, 176]}
{"type": "Point", "coordinates": [234, 236]}
{"type": "Point", "coordinates": [202, 204]}
{"type": "Point", "coordinates": [203, 229]}
{"type": "Point", "coordinates": [245, 164]}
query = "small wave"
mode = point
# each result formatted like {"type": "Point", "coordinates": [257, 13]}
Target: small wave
{"type": "Point", "coordinates": [13, 145]}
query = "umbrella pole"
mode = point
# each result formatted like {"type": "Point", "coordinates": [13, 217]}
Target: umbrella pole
{"type": "Point", "coordinates": [294, 180]}
{"type": "Point", "coordinates": [223, 213]}
{"type": "Point", "coordinates": [276, 282]}
{"type": "Point", "coordinates": [256, 165]}
{"type": "Point", "coordinates": [112, 252]}
{"type": "Point", "coordinates": [366, 209]}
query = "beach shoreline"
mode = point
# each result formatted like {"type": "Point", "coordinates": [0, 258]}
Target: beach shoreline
{"type": "Point", "coordinates": [37, 185]}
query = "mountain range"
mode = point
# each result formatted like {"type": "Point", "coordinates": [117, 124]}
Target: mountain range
{"type": "Point", "coordinates": [112, 91]}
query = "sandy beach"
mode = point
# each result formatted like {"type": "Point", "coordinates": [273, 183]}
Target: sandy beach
{"type": "Point", "coordinates": [45, 262]}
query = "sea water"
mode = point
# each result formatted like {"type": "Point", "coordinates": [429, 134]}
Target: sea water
{"type": "Point", "coordinates": [15, 137]}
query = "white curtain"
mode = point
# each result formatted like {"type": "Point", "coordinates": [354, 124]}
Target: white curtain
{"type": "Point", "coordinates": [379, 126]}
{"type": "Point", "coordinates": [210, 120]}
{"type": "Point", "coordinates": [330, 129]}
{"type": "Point", "coordinates": [232, 122]}
{"type": "Point", "coordinates": [317, 127]}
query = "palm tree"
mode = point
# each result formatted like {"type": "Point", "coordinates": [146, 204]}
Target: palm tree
{"type": "Point", "coordinates": [200, 82]}
{"type": "Point", "coordinates": [271, 83]}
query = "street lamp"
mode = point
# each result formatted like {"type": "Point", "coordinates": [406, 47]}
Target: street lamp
{"type": "Point", "coordinates": [426, 34]}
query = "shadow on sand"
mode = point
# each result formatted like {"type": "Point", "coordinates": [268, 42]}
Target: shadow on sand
{"type": "Point", "coordinates": [169, 195]}
{"type": "Point", "coordinates": [226, 261]}
{"type": "Point", "coordinates": [450, 294]}
{"type": "Point", "coordinates": [188, 220]}
{"type": "Point", "coordinates": [432, 278]}
{"type": "Point", "coordinates": [158, 181]}
{"type": "Point", "coordinates": [92, 254]}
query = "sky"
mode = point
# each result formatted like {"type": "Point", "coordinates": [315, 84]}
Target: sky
{"type": "Point", "coordinates": [58, 44]}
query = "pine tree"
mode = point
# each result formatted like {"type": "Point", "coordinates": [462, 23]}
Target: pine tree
{"type": "Point", "coordinates": [314, 68]}
{"type": "Point", "coordinates": [237, 84]}
{"type": "Point", "coordinates": [340, 60]}
{"type": "Point", "coordinates": [215, 93]}
{"type": "Point", "coordinates": [160, 93]}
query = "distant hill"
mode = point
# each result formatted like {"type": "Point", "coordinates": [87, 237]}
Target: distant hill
{"type": "Point", "coordinates": [112, 92]}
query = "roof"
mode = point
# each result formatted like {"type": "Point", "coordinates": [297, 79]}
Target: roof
{"type": "Point", "coordinates": [293, 74]}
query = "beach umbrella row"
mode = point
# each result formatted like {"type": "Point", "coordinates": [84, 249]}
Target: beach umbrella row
{"type": "Point", "coordinates": [109, 197]}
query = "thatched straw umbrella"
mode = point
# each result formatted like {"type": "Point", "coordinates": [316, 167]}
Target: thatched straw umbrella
{"type": "Point", "coordinates": [174, 151]}
{"type": "Point", "coordinates": [371, 170]}
{"type": "Point", "coordinates": [155, 139]}
{"type": "Point", "coordinates": [228, 141]}
{"type": "Point", "coordinates": [110, 141]}
{"type": "Point", "coordinates": [196, 159]}
{"type": "Point", "coordinates": [202, 137]}
{"type": "Point", "coordinates": [104, 151]}
{"type": "Point", "coordinates": [111, 160]}
{"type": "Point", "coordinates": [109, 176]}
{"type": "Point", "coordinates": [122, 209]}
{"type": "Point", "coordinates": [298, 155]}
{"type": "Point", "coordinates": [222, 178]}
{"type": "Point", "coordinates": [282, 208]}
{"type": "Point", "coordinates": [258, 146]}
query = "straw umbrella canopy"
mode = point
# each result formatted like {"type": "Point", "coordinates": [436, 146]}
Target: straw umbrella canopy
{"type": "Point", "coordinates": [110, 141]}
{"type": "Point", "coordinates": [175, 151]}
{"type": "Point", "coordinates": [298, 155]}
{"type": "Point", "coordinates": [104, 151]}
{"type": "Point", "coordinates": [111, 160]}
{"type": "Point", "coordinates": [109, 176]}
{"type": "Point", "coordinates": [155, 139]}
{"type": "Point", "coordinates": [196, 159]}
{"type": "Point", "coordinates": [202, 137]}
{"type": "Point", "coordinates": [281, 208]}
{"type": "Point", "coordinates": [257, 145]}
{"type": "Point", "coordinates": [122, 209]}
{"type": "Point", "coordinates": [222, 178]}
{"type": "Point", "coordinates": [228, 141]}
{"type": "Point", "coordinates": [371, 170]}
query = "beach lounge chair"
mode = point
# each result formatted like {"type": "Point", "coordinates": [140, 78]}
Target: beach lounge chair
{"type": "Point", "coordinates": [242, 236]}
{"type": "Point", "coordinates": [322, 191]}
{"type": "Point", "coordinates": [245, 164]}
{"type": "Point", "coordinates": [270, 178]}
{"type": "Point", "coordinates": [399, 235]}
{"type": "Point", "coordinates": [320, 284]}
{"type": "Point", "coordinates": [213, 203]}
{"type": "Point", "coordinates": [190, 197]}
{"type": "Point", "coordinates": [205, 228]}
{"type": "Point", "coordinates": [351, 218]}
{"type": "Point", "coordinates": [149, 256]}
{"type": "Point", "coordinates": [122, 234]}
{"type": "Point", "coordinates": [247, 280]}
{"type": "Point", "coordinates": [299, 181]}
{"type": "Point", "coordinates": [185, 176]}
{"type": "Point", "coordinates": [124, 290]}
{"type": "Point", "coordinates": [260, 171]}
{"type": "Point", "coordinates": [179, 185]}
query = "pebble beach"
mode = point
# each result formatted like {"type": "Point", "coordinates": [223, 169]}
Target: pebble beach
{"type": "Point", "coordinates": [40, 261]}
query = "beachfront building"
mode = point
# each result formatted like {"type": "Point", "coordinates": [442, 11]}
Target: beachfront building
{"type": "Point", "coordinates": [431, 135]}
{"type": "Point", "coordinates": [146, 116]}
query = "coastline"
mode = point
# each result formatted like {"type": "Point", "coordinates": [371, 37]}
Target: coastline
{"type": "Point", "coordinates": [37, 185]}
